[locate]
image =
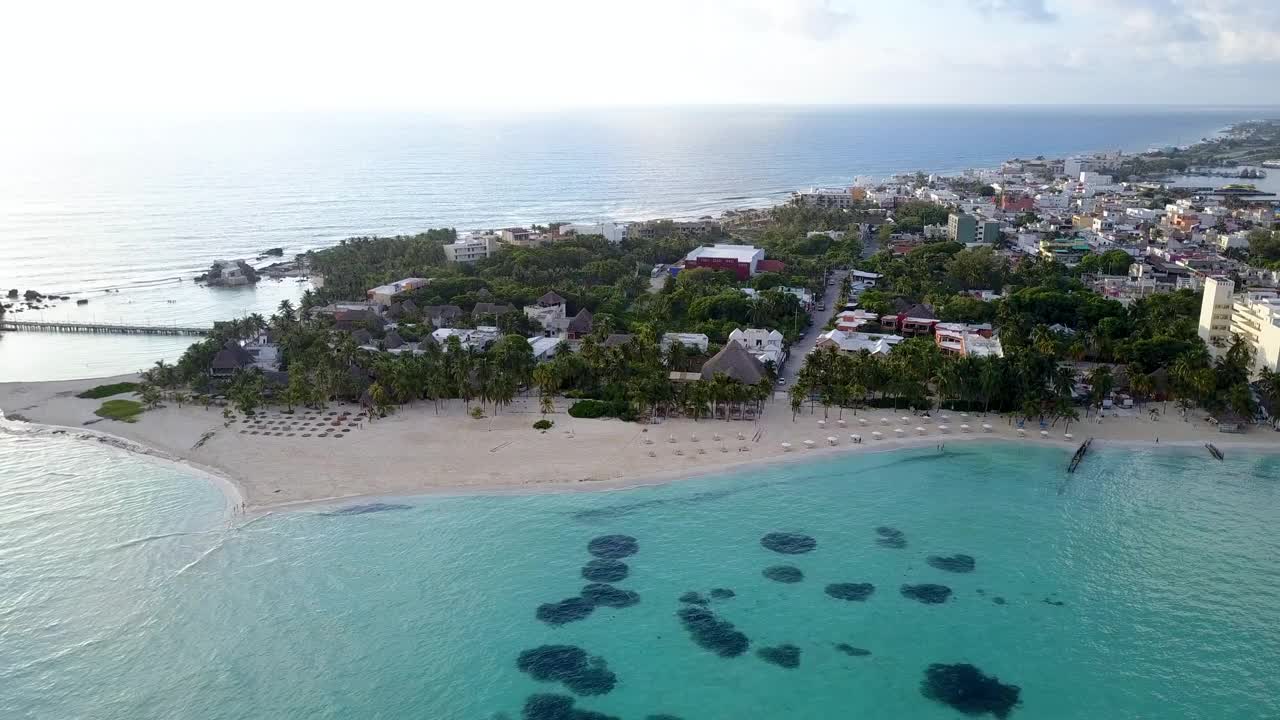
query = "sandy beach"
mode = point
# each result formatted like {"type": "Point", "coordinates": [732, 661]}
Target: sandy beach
{"type": "Point", "coordinates": [418, 451]}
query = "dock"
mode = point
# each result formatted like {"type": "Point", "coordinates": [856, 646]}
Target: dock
{"type": "Point", "coordinates": [1214, 451]}
{"type": "Point", "coordinates": [80, 327]}
{"type": "Point", "coordinates": [1080, 451]}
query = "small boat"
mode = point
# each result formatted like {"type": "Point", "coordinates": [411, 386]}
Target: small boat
{"type": "Point", "coordinates": [82, 301]}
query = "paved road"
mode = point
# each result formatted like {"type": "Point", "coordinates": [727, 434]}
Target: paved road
{"type": "Point", "coordinates": [820, 317]}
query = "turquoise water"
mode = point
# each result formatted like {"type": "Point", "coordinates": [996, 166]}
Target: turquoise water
{"type": "Point", "coordinates": [128, 591]}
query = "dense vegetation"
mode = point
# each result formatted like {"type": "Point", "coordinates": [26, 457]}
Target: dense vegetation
{"type": "Point", "coordinates": [122, 410]}
{"type": "Point", "coordinates": [102, 391]}
{"type": "Point", "coordinates": [1045, 315]}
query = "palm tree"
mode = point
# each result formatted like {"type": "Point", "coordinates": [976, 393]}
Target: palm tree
{"type": "Point", "coordinates": [1269, 389]}
{"type": "Point", "coordinates": [285, 310]}
{"type": "Point", "coordinates": [1100, 382]}
{"type": "Point", "coordinates": [1044, 341]}
{"type": "Point", "coordinates": [545, 378]}
{"type": "Point", "coordinates": [1240, 400]}
{"type": "Point", "coordinates": [1064, 381]}
{"type": "Point", "coordinates": [1140, 384]}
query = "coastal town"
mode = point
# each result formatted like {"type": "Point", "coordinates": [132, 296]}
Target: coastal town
{"type": "Point", "coordinates": [1012, 302]}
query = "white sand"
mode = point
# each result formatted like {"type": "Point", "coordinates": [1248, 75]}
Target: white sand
{"type": "Point", "coordinates": [417, 451]}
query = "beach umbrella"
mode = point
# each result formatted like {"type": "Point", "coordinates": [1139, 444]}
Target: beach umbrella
{"type": "Point", "coordinates": [919, 431]}
{"type": "Point", "coordinates": [831, 440]}
{"type": "Point", "coordinates": [808, 444]}
{"type": "Point", "coordinates": [986, 428]}
{"type": "Point", "coordinates": [877, 435]}
{"type": "Point", "coordinates": [786, 447]}
{"type": "Point", "coordinates": [964, 428]}
{"type": "Point", "coordinates": [944, 429]}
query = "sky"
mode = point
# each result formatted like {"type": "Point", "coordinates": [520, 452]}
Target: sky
{"type": "Point", "coordinates": [71, 56]}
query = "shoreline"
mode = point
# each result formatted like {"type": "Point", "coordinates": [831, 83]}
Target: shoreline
{"type": "Point", "coordinates": [418, 453]}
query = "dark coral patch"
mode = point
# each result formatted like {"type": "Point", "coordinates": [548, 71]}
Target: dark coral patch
{"type": "Point", "coordinates": [602, 571]}
{"type": "Point", "coordinates": [1057, 603]}
{"type": "Point", "coordinates": [552, 662]}
{"type": "Point", "coordinates": [927, 593]}
{"type": "Point", "coordinates": [609, 596]}
{"type": "Point", "coordinates": [661, 717]}
{"type": "Point", "coordinates": [783, 573]}
{"type": "Point", "coordinates": [613, 547]}
{"type": "Point", "coordinates": [852, 651]}
{"type": "Point", "coordinates": [850, 591]}
{"type": "Point", "coordinates": [997, 600]}
{"type": "Point", "coordinates": [712, 633]}
{"type": "Point", "coordinates": [965, 688]}
{"type": "Point", "coordinates": [694, 598]}
{"type": "Point", "coordinates": [565, 611]}
{"type": "Point", "coordinates": [582, 674]}
{"type": "Point", "coordinates": [952, 563]}
{"type": "Point", "coordinates": [722, 593]}
{"type": "Point", "coordinates": [787, 656]}
{"type": "Point", "coordinates": [558, 707]}
{"type": "Point", "coordinates": [788, 543]}
{"type": "Point", "coordinates": [891, 537]}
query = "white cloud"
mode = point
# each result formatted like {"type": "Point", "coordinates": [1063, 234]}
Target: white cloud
{"type": "Point", "coordinates": [1025, 10]}
{"type": "Point", "coordinates": [150, 55]}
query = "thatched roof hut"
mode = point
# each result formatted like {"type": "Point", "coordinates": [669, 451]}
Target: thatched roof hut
{"type": "Point", "coordinates": [736, 363]}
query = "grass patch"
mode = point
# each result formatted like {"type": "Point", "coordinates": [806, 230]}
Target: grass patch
{"type": "Point", "coordinates": [101, 391]}
{"type": "Point", "coordinates": [122, 410]}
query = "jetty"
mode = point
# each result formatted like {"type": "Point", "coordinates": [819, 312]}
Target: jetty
{"type": "Point", "coordinates": [1080, 451]}
{"type": "Point", "coordinates": [81, 327]}
{"type": "Point", "coordinates": [1214, 451]}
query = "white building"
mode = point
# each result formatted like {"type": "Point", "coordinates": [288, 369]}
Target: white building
{"type": "Point", "coordinates": [853, 320]}
{"type": "Point", "coordinates": [833, 234]}
{"type": "Point", "coordinates": [829, 198]}
{"type": "Point", "coordinates": [1239, 239]}
{"type": "Point", "coordinates": [383, 294]}
{"type": "Point", "coordinates": [1073, 166]}
{"type": "Point", "coordinates": [967, 340]}
{"type": "Point", "coordinates": [544, 348]}
{"type": "Point", "coordinates": [471, 249]}
{"type": "Point", "coordinates": [693, 341]}
{"type": "Point", "coordinates": [612, 231]}
{"type": "Point", "coordinates": [479, 338]}
{"type": "Point", "coordinates": [1254, 316]}
{"type": "Point", "coordinates": [765, 345]}
{"type": "Point", "coordinates": [852, 342]}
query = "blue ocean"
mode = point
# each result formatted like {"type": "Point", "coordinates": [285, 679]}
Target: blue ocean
{"type": "Point", "coordinates": [1144, 586]}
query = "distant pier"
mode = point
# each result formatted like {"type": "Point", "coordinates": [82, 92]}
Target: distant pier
{"type": "Point", "coordinates": [80, 327]}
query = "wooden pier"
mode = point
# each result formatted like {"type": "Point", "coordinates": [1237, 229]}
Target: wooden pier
{"type": "Point", "coordinates": [79, 327]}
{"type": "Point", "coordinates": [1214, 451]}
{"type": "Point", "coordinates": [1075, 459]}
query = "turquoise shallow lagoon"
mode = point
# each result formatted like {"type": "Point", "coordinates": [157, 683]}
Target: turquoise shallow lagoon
{"type": "Point", "coordinates": [1145, 586]}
